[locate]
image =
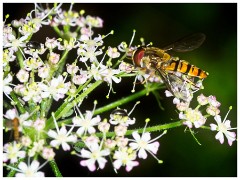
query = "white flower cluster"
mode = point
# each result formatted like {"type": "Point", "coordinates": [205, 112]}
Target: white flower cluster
{"type": "Point", "coordinates": [123, 150]}
{"type": "Point", "coordinates": [195, 117]}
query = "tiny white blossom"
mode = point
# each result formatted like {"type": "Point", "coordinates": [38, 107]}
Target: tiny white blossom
{"type": "Point", "coordinates": [223, 128]}
{"type": "Point", "coordinates": [61, 137]}
{"type": "Point", "coordinates": [125, 157]}
{"type": "Point", "coordinates": [113, 53]}
{"type": "Point", "coordinates": [7, 89]}
{"type": "Point", "coordinates": [144, 143]}
{"type": "Point", "coordinates": [44, 71]}
{"type": "Point", "coordinates": [48, 153]}
{"type": "Point", "coordinates": [57, 88]}
{"type": "Point", "coordinates": [72, 68]}
{"type": "Point", "coordinates": [32, 63]}
{"type": "Point", "coordinates": [29, 170]}
{"type": "Point", "coordinates": [22, 75]}
{"type": "Point", "coordinates": [192, 116]}
{"type": "Point", "coordinates": [12, 152]}
{"type": "Point", "coordinates": [86, 123]}
{"type": "Point", "coordinates": [54, 58]}
{"type": "Point", "coordinates": [51, 43]}
{"type": "Point", "coordinates": [96, 154]}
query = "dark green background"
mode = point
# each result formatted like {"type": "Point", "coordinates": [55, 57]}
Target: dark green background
{"type": "Point", "coordinates": [163, 23]}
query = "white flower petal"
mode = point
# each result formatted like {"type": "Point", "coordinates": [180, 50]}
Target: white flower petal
{"type": "Point", "coordinates": [136, 136]}
{"type": "Point", "coordinates": [65, 146]}
{"type": "Point", "coordinates": [80, 131]}
{"type": "Point", "coordinates": [52, 134]}
{"type": "Point", "coordinates": [227, 123]}
{"type": "Point", "coordinates": [34, 165]}
{"type": "Point", "coordinates": [39, 174]}
{"type": "Point", "coordinates": [101, 162]}
{"type": "Point", "coordinates": [20, 175]}
{"type": "Point", "coordinates": [85, 153]}
{"type": "Point", "coordinates": [142, 153]}
{"type": "Point", "coordinates": [63, 130]}
{"type": "Point", "coordinates": [91, 130]}
{"type": "Point", "coordinates": [105, 152]}
{"type": "Point", "coordinates": [213, 127]}
{"type": "Point", "coordinates": [117, 164]}
{"type": "Point", "coordinates": [54, 143]}
{"type": "Point", "coordinates": [22, 166]}
{"type": "Point", "coordinates": [153, 147]}
{"type": "Point", "coordinates": [219, 136]}
{"type": "Point", "coordinates": [21, 154]}
{"type": "Point", "coordinates": [72, 138]}
{"type": "Point", "coordinates": [218, 119]}
{"type": "Point", "coordinates": [146, 136]}
{"type": "Point", "coordinates": [5, 157]}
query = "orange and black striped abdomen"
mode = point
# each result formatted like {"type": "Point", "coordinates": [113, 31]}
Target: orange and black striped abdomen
{"type": "Point", "coordinates": [185, 68]}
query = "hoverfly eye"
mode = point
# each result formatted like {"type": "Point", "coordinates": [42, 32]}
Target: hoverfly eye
{"type": "Point", "coordinates": [138, 55]}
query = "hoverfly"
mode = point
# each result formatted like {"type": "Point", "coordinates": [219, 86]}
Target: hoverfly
{"type": "Point", "coordinates": [178, 75]}
{"type": "Point", "coordinates": [14, 125]}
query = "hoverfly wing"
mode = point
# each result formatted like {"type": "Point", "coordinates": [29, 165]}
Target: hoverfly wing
{"type": "Point", "coordinates": [187, 43]}
{"type": "Point", "coordinates": [172, 82]}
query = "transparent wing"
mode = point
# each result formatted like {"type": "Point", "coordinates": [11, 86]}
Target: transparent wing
{"type": "Point", "coordinates": [187, 43]}
{"type": "Point", "coordinates": [177, 85]}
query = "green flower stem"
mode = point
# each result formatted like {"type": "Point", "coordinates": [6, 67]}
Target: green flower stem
{"type": "Point", "coordinates": [55, 168]}
{"type": "Point", "coordinates": [18, 103]}
{"type": "Point", "coordinates": [148, 129]}
{"type": "Point", "coordinates": [119, 61]}
{"type": "Point", "coordinates": [12, 172]}
{"type": "Point", "coordinates": [126, 99]}
{"type": "Point", "coordinates": [45, 107]}
{"type": "Point", "coordinates": [20, 59]}
{"type": "Point", "coordinates": [80, 88]}
{"type": "Point", "coordinates": [58, 31]}
{"type": "Point", "coordinates": [129, 132]}
{"type": "Point", "coordinates": [66, 106]}
{"type": "Point", "coordinates": [61, 62]}
{"type": "Point", "coordinates": [205, 127]}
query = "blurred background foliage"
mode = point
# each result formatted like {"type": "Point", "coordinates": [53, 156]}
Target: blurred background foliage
{"type": "Point", "coordinates": [163, 23]}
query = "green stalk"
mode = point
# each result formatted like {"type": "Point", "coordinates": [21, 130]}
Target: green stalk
{"type": "Point", "coordinates": [61, 62]}
{"type": "Point", "coordinates": [58, 31]}
{"type": "Point", "coordinates": [148, 129]}
{"type": "Point", "coordinates": [18, 103]}
{"type": "Point", "coordinates": [140, 130]}
{"type": "Point", "coordinates": [20, 59]}
{"type": "Point", "coordinates": [55, 168]}
{"type": "Point", "coordinates": [66, 106]}
{"type": "Point", "coordinates": [12, 172]}
{"type": "Point", "coordinates": [125, 100]}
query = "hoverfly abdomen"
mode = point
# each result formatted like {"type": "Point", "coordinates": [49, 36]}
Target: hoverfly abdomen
{"type": "Point", "coordinates": [196, 72]}
{"type": "Point", "coordinates": [185, 68]}
{"type": "Point", "coordinates": [15, 124]}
